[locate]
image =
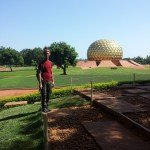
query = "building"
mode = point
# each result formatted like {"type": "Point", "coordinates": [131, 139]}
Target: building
{"type": "Point", "coordinates": [106, 53]}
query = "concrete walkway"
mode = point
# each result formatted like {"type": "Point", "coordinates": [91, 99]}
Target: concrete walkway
{"type": "Point", "coordinates": [111, 135]}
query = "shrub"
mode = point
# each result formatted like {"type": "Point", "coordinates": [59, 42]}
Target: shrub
{"type": "Point", "coordinates": [65, 91]}
{"type": "Point", "coordinates": [31, 98]}
{"type": "Point", "coordinates": [102, 86]}
{"type": "Point", "coordinates": [99, 86]}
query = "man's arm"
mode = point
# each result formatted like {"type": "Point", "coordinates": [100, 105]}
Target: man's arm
{"type": "Point", "coordinates": [53, 74]}
{"type": "Point", "coordinates": [53, 78]}
{"type": "Point", "coordinates": [39, 78]}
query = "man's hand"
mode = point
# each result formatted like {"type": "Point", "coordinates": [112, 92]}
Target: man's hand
{"type": "Point", "coordinates": [40, 86]}
{"type": "Point", "coordinates": [52, 84]}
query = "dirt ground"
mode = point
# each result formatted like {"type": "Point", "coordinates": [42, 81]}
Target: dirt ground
{"type": "Point", "coordinates": [142, 118]}
{"type": "Point", "coordinates": [12, 93]}
{"type": "Point", "coordinates": [67, 132]}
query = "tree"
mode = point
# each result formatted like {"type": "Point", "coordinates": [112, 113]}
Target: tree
{"type": "Point", "coordinates": [9, 56]}
{"type": "Point", "coordinates": [63, 55]}
{"type": "Point", "coordinates": [139, 59]}
{"type": "Point", "coordinates": [32, 56]}
{"type": "Point", "coordinates": [147, 59]}
{"type": "Point", "coordinates": [26, 54]}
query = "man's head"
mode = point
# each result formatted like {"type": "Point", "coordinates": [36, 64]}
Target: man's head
{"type": "Point", "coordinates": [46, 52]}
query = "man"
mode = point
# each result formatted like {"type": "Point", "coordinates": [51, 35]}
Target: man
{"type": "Point", "coordinates": [46, 79]}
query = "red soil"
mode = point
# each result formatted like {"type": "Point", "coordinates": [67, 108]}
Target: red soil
{"type": "Point", "coordinates": [11, 93]}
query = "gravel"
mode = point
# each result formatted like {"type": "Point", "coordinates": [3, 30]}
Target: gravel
{"type": "Point", "coordinates": [67, 133]}
{"type": "Point", "coordinates": [142, 118]}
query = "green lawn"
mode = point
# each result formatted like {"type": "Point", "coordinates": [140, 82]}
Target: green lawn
{"type": "Point", "coordinates": [25, 77]}
{"type": "Point", "coordinates": [21, 127]}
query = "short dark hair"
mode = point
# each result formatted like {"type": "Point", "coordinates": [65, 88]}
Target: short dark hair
{"type": "Point", "coordinates": [45, 49]}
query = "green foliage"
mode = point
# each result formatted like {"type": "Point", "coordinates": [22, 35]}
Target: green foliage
{"type": "Point", "coordinates": [68, 101]}
{"type": "Point", "coordinates": [31, 98]}
{"type": "Point", "coordinates": [63, 55]}
{"type": "Point", "coordinates": [21, 128]}
{"type": "Point", "coordinates": [61, 92]}
{"type": "Point", "coordinates": [100, 86]}
{"type": "Point", "coordinates": [9, 56]}
{"type": "Point", "coordinates": [66, 91]}
{"type": "Point", "coordinates": [25, 77]}
{"type": "Point", "coordinates": [32, 56]}
{"type": "Point", "coordinates": [140, 59]}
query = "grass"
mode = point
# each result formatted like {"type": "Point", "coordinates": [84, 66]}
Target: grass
{"type": "Point", "coordinates": [68, 102]}
{"type": "Point", "coordinates": [21, 127]}
{"type": "Point", "coordinates": [25, 77]}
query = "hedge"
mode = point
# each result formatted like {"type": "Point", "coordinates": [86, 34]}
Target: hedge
{"type": "Point", "coordinates": [31, 98]}
{"type": "Point", "coordinates": [65, 91]}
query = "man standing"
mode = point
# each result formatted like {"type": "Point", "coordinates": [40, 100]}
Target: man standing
{"type": "Point", "coordinates": [45, 78]}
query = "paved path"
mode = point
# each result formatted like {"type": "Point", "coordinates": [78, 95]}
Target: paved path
{"type": "Point", "coordinates": [120, 106]}
{"type": "Point", "coordinates": [111, 135]}
{"type": "Point", "coordinates": [112, 102]}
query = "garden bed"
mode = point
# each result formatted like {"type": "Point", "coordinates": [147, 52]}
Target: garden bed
{"type": "Point", "coordinates": [142, 118]}
{"type": "Point", "coordinates": [68, 133]}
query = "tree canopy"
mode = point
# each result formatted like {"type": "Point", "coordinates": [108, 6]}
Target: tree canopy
{"type": "Point", "coordinates": [140, 60]}
{"type": "Point", "coordinates": [9, 56]}
{"type": "Point", "coordinates": [63, 55]}
{"type": "Point", "coordinates": [32, 56]}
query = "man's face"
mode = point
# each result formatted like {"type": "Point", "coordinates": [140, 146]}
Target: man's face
{"type": "Point", "coordinates": [47, 53]}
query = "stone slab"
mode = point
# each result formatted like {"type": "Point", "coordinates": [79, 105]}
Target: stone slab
{"type": "Point", "coordinates": [120, 106]}
{"type": "Point", "coordinates": [111, 135]}
{"type": "Point", "coordinates": [144, 87]}
{"type": "Point", "coordinates": [98, 96]}
{"type": "Point", "coordinates": [9, 104]}
{"type": "Point", "coordinates": [136, 91]}
{"type": "Point", "coordinates": [145, 96]}
{"type": "Point", "coordinates": [128, 94]}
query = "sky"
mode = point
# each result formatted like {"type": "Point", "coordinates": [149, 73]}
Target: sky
{"type": "Point", "coordinates": [39, 23]}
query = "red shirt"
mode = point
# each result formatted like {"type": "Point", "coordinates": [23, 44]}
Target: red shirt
{"type": "Point", "coordinates": [46, 70]}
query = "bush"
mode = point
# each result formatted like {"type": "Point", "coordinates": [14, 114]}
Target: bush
{"type": "Point", "coordinates": [61, 92]}
{"type": "Point", "coordinates": [99, 86]}
{"type": "Point", "coordinates": [36, 96]}
{"type": "Point", "coordinates": [103, 86]}
{"type": "Point", "coordinates": [65, 91]}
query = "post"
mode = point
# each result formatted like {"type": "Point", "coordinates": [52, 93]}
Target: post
{"type": "Point", "coordinates": [91, 91]}
{"type": "Point", "coordinates": [133, 78]}
{"type": "Point", "coordinates": [71, 83]}
{"type": "Point", "coordinates": [45, 130]}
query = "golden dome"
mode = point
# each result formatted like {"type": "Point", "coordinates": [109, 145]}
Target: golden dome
{"type": "Point", "coordinates": [104, 50]}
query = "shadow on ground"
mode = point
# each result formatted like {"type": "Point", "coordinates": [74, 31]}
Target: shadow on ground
{"type": "Point", "coordinates": [67, 132]}
{"type": "Point", "coordinates": [30, 134]}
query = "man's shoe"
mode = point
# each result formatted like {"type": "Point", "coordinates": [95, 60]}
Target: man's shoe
{"type": "Point", "coordinates": [47, 107]}
{"type": "Point", "coordinates": [45, 110]}
{"type": "Point", "coordinates": [48, 110]}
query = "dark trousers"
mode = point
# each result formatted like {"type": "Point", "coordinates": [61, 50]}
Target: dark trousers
{"type": "Point", "coordinates": [45, 93]}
